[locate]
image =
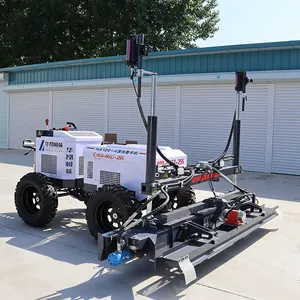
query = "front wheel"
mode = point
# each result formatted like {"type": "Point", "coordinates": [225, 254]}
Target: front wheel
{"type": "Point", "coordinates": [36, 200]}
{"type": "Point", "coordinates": [109, 208]}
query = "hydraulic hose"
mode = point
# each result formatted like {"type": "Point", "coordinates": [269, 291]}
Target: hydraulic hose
{"type": "Point", "coordinates": [161, 206]}
{"type": "Point", "coordinates": [228, 141]}
{"type": "Point", "coordinates": [238, 205]}
{"type": "Point", "coordinates": [229, 181]}
{"type": "Point", "coordinates": [146, 127]}
{"type": "Point", "coordinates": [124, 228]}
{"type": "Point", "coordinates": [136, 222]}
{"type": "Point", "coordinates": [184, 181]}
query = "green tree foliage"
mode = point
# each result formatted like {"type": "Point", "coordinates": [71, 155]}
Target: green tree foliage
{"type": "Point", "coordinates": [34, 31]}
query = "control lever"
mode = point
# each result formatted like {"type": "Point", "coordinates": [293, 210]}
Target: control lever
{"type": "Point", "coordinates": [29, 145]}
{"type": "Point", "coordinates": [72, 124]}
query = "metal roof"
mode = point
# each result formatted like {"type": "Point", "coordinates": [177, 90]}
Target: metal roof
{"type": "Point", "coordinates": [191, 51]}
{"type": "Point", "coordinates": [256, 57]}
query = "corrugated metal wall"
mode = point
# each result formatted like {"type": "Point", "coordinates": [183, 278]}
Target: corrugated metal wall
{"type": "Point", "coordinates": [263, 60]}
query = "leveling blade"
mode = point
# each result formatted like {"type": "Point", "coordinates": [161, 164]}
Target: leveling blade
{"type": "Point", "coordinates": [182, 239]}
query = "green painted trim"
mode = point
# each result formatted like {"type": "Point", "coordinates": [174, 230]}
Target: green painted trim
{"type": "Point", "coordinates": [191, 51]}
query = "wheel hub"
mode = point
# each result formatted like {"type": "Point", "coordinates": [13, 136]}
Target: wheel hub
{"type": "Point", "coordinates": [109, 216]}
{"type": "Point", "coordinates": [31, 200]}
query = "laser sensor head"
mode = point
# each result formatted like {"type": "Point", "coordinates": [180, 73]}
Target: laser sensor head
{"type": "Point", "coordinates": [241, 81]}
{"type": "Point", "coordinates": [135, 48]}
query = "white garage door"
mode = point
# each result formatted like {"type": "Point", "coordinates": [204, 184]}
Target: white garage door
{"type": "Point", "coordinates": [123, 114]}
{"type": "Point", "coordinates": [3, 116]}
{"type": "Point", "coordinates": [125, 120]}
{"type": "Point", "coordinates": [85, 108]}
{"type": "Point", "coordinates": [254, 122]}
{"type": "Point", "coordinates": [286, 135]}
{"type": "Point", "coordinates": [206, 117]}
{"type": "Point", "coordinates": [27, 113]}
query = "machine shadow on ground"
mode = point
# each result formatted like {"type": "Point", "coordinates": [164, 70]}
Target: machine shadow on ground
{"type": "Point", "coordinates": [68, 230]}
{"type": "Point", "coordinates": [123, 283]}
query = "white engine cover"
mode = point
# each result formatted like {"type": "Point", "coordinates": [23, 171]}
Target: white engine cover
{"type": "Point", "coordinates": [123, 164]}
{"type": "Point", "coordinates": [61, 155]}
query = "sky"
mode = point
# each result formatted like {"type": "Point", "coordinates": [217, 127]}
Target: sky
{"type": "Point", "coordinates": [256, 21]}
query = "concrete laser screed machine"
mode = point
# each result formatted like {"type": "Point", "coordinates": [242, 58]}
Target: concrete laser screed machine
{"type": "Point", "coordinates": [139, 199]}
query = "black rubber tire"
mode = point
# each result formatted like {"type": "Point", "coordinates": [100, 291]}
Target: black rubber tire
{"type": "Point", "coordinates": [48, 199]}
{"type": "Point", "coordinates": [183, 197]}
{"type": "Point", "coordinates": [179, 198]}
{"type": "Point", "coordinates": [124, 201]}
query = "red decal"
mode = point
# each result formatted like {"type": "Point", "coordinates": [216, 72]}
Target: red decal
{"type": "Point", "coordinates": [179, 161]}
{"type": "Point", "coordinates": [205, 177]}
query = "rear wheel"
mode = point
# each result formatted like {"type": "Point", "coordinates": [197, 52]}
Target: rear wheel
{"type": "Point", "coordinates": [36, 200]}
{"type": "Point", "coordinates": [179, 198]}
{"type": "Point", "coordinates": [182, 197]}
{"type": "Point", "coordinates": [108, 209]}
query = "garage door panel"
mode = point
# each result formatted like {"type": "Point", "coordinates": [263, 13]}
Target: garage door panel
{"type": "Point", "coordinates": [286, 132]}
{"type": "Point", "coordinates": [27, 113]}
{"type": "Point", "coordinates": [123, 115]}
{"type": "Point", "coordinates": [85, 108]}
{"type": "Point", "coordinates": [206, 118]}
{"type": "Point", "coordinates": [254, 128]}
{"type": "Point", "coordinates": [3, 116]}
{"type": "Point", "coordinates": [125, 119]}
{"type": "Point", "coordinates": [166, 113]}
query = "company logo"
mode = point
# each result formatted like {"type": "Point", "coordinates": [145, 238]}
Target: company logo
{"type": "Point", "coordinates": [50, 146]}
{"type": "Point", "coordinates": [42, 146]}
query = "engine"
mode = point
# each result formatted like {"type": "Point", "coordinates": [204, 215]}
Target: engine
{"type": "Point", "coordinates": [124, 165]}
{"type": "Point", "coordinates": [59, 155]}
{"type": "Point", "coordinates": [78, 159]}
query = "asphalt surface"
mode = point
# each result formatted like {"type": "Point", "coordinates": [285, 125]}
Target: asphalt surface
{"type": "Point", "coordinates": [60, 262]}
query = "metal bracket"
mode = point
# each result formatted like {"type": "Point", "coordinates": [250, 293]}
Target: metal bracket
{"type": "Point", "coordinates": [190, 228]}
{"type": "Point", "coordinates": [187, 269]}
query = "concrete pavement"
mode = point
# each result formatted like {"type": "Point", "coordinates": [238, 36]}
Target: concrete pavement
{"type": "Point", "coordinates": [60, 262]}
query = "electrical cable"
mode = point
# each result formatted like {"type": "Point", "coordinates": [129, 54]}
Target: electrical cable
{"type": "Point", "coordinates": [146, 127]}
